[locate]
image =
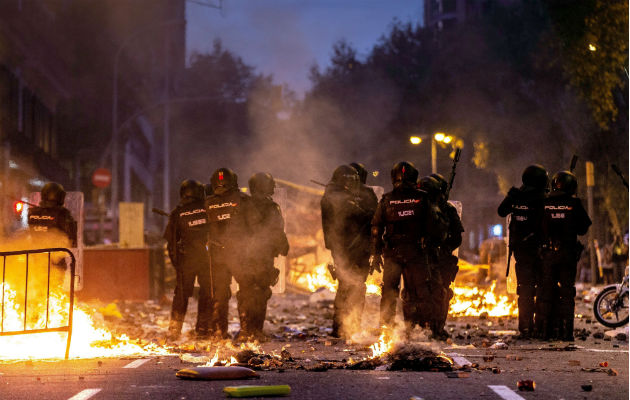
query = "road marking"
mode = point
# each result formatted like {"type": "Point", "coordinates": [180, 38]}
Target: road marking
{"type": "Point", "coordinates": [459, 359]}
{"type": "Point", "coordinates": [606, 351]}
{"type": "Point", "coordinates": [85, 394]}
{"type": "Point", "coordinates": [505, 392]}
{"type": "Point", "coordinates": [136, 363]}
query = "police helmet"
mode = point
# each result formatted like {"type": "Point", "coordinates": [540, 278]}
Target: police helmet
{"type": "Point", "coordinates": [535, 176]}
{"type": "Point", "coordinates": [262, 184]}
{"type": "Point", "coordinates": [564, 181]}
{"type": "Point", "coordinates": [191, 189]}
{"type": "Point", "coordinates": [346, 176]}
{"type": "Point", "coordinates": [431, 186]}
{"type": "Point", "coordinates": [53, 193]}
{"type": "Point", "coordinates": [441, 180]}
{"type": "Point", "coordinates": [224, 178]}
{"type": "Point", "coordinates": [361, 171]}
{"type": "Point", "coordinates": [404, 172]}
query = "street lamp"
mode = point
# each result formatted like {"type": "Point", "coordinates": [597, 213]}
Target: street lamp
{"type": "Point", "coordinates": [438, 137]}
{"type": "Point", "coordinates": [115, 130]}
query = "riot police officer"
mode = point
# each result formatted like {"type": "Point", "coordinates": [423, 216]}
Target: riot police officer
{"type": "Point", "coordinates": [269, 241]}
{"type": "Point", "coordinates": [525, 206]}
{"type": "Point", "coordinates": [563, 219]}
{"type": "Point", "coordinates": [343, 223]}
{"type": "Point", "coordinates": [400, 228]}
{"type": "Point", "coordinates": [187, 234]}
{"type": "Point", "coordinates": [440, 259]}
{"type": "Point", "coordinates": [52, 216]}
{"type": "Point", "coordinates": [231, 216]}
{"type": "Point", "coordinates": [446, 261]}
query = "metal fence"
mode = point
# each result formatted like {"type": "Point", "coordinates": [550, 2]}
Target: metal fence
{"type": "Point", "coordinates": [25, 265]}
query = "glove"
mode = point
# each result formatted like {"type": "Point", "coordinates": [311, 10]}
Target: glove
{"type": "Point", "coordinates": [376, 263]}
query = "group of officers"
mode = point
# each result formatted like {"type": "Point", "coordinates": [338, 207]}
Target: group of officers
{"type": "Point", "coordinates": [544, 226]}
{"type": "Point", "coordinates": [215, 234]}
{"type": "Point", "coordinates": [218, 232]}
{"type": "Point", "coordinates": [409, 235]}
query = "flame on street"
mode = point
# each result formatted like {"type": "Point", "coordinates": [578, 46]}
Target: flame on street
{"type": "Point", "coordinates": [381, 347]}
{"type": "Point", "coordinates": [87, 340]}
{"type": "Point", "coordinates": [319, 277]}
{"type": "Point", "coordinates": [468, 301]}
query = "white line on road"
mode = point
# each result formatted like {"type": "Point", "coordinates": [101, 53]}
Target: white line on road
{"type": "Point", "coordinates": [606, 351]}
{"type": "Point", "coordinates": [136, 363]}
{"type": "Point", "coordinates": [505, 392]}
{"type": "Point", "coordinates": [85, 394]}
{"type": "Point", "coordinates": [459, 359]}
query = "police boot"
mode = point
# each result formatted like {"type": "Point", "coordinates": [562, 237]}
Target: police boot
{"type": "Point", "coordinates": [438, 332]}
{"type": "Point", "coordinates": [174, 330]}
{"type": "Point", "coordinates": [567, 330]}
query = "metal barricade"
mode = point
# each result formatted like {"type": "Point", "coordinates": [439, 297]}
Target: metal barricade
{"type": "Point", "coordinates": [67, 328]}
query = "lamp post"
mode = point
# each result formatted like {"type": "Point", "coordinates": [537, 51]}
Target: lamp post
{"type": "Point", "coordinates": [115, 130]}
{"type": "Point", "coordinates": [438, 137]}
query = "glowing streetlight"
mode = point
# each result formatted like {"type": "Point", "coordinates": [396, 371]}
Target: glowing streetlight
{"type": "Point", "coordinates": [415, 140]}
{"type": "Point", "coordinates": [439, 136]}
{"type": "Point", "coordinates": [447, 139]}
{"type": "Point", "coordinates": [592, 47]}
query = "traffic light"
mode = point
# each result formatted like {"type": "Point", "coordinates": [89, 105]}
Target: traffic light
{"type": "Point", "coordinates": [18, 207]}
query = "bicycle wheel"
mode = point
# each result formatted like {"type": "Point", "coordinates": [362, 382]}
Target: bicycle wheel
{"type": "Point", "coordinates": [610, 310]}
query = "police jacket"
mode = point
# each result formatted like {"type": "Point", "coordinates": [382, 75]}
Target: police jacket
{"type": "Point", "coordinates": [343, 220]}
{"type": "Point", "coordinates": [187, 230]}
{"type": "Point", "coordinates": [525, 204]}
{"type": "Point", "coordinates": [402, 217]}
{"type": "Point", "coordinates": [563, 219]}
{"type": "Point", "coordinates": [231, 216]}
{"type": "Point", "coordinates": [48, 217]}
{"type": "Point", "coordinates": [270, 239]}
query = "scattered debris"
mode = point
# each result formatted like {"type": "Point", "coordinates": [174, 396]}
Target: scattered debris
{"type": "Point", "coordinates": [500, 345]}
{"type": "Point", "coordinates": [216, 373]}
{"type": "Point", "coordinates": [587, 388]}
{"type": "Point", "coordinates": [526, 385]}
{"type": "Point", "coordinates": [603, 364]}
{"type": "Point", "coordinates": [458, 374]}
{"type": "Point", "coordinates": [257, 391]}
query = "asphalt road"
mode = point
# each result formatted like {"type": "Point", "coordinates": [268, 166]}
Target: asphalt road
{"type": "Point", "coordinates": [558, 375]}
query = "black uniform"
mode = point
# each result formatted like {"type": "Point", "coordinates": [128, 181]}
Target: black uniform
{"type": "Point", "coordinates": [446, 261]}
{"type": "Point", "coordinates": [564, 218]}
{"type": "Point", "coordinates": [346, 217]}
{"type": "Point", "coordinates": [399, 231]}
{"type": "Point", "coordinates": [50, 217]}
{"type": "Point", "coordinates": [269, 241]}
{"type": "Point", "coordinates": [187, 234]}
{"type": "Point", "coordinates": [525, 205]}
{"type": "Point", "coordinates": [231, 216]}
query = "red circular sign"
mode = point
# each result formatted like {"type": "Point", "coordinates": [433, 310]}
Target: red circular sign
{"type": "Point", "coordinates": [101, 178]}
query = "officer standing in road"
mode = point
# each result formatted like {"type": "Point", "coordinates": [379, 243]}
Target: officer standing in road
{"type": "Point", "coordinates": [187, 234]}
{"type": "Point", "coordinates": [525, 205]}
{"type": "Point", "coordinates": [269, 241]}
{"type": "Point", "coordinates": [399, 233]}
{"type": "Point", "coordinates": [446, 261]}
{"type": "Point", "coordinates": [343, 223]}
{"type": "Point", "coordinates": [436, 247]}
{"type": "Point", "coordinates": [52, 224]}
{"type": "Point", "coordinates": [563, 219]}
{"type": "Point", "coordinates": [231, 216]}
{"type": "Point", "coordinates": [52, 216]}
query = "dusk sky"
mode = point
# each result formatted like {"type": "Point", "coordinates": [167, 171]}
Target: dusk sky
{"type": "Point", "coordinates": [286, 37]}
